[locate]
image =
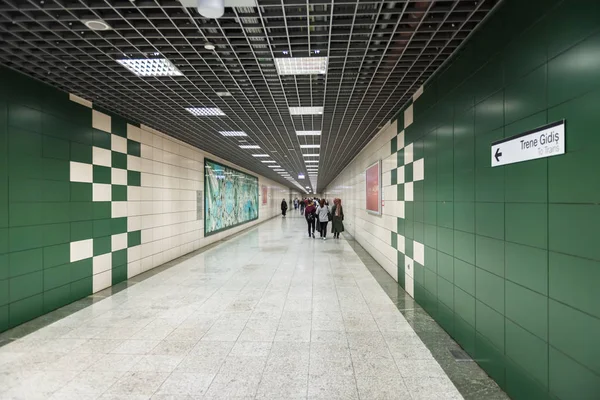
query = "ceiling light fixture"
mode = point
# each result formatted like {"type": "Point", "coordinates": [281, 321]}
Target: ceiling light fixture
{"type": "Point", "coordinates": [209, 46]}
{"type": "Point", "coordinates": [301, 176]}
{"type": "Point", "coordinates": [96, 24]}
{"type": "Point", "coordinates": [249, 146]}
{"type": "Point", "coordinates": [150, 66]}
{"type": "Point", "coordinates": [311, 155]}
{"type": "Point", "coordinates": [301, 65]}
{"type": "Point", "coordinates": [223, 94]}
{"type": "Point", "coordinates": [260, 155]}
{"type": "Point", "coordinates": [311, 161]}
{"type": "Point", "coordinates": [233, 133]}
{"type": "Point", "coordinates": [205, 111]}
{"type": "Point", "coordinates": [308, 133]}
{"type": "Point", "coordinates": [268, 162]}
{"type": "Point", "coordinates": [310, 146]}
{"type": "Point", "coordinates": [274, 166]}
{"type": "Point", "coordinates": [306, 110]}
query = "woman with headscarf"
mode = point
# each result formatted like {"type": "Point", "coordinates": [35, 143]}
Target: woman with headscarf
{"type": "Point", "coordinates": [337, 212]}
{"type": "Point", "coordinates": [284, 207]}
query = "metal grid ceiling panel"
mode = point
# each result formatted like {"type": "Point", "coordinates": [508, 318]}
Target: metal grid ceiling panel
{"type": "Point", "coordinates": [380, 53]}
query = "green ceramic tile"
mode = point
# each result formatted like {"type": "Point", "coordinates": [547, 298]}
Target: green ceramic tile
{"type": "Point", "coordinates": [574, 229]}
{"type": "Point", "coordinates": [118, 126]}
{"type": "Point", "coordinates": [25, 262]}
{"type": "Point", "coordinates": [119, 160]}
{"type": "Point", "coordinates": [22, 117]}
{"type": "Point", "coordinates": [82, 230]}
{"type": "Point", "coordinates": [394, 176]}
{"type": "Point", "coordinates": [464, 216]}
{"type": "Point", "coordinates": [431, 236]}
{"type": "Point", "coordinates": [4, 322]}
{"type": "Point", "coordinates": [562, 188]}
{"type": "Point", "coordinates": [528, 352]}
{"type": "Point", "coordinates": [4, 266]}
{"type": "Point", "coordinates": [22, 142]}
{"type": "Point", "coordinates": [430, 212]}
{"type": "Point", "coordinates": [464, 334]}
{"type": "Point", "coordinates": [56, 255]}
{"type": "Point", "coordinates": [102, 139]}
{"type": "Point", "coordinates": [464, 305]}
{"type": "Point", "coordinates": [81, 288]}
{"type": "Point", "coordinates": [571, 380]}
{"type": "Point", "coordinates": [101, 210]}
{"type": "Point", "coordinates": [118, 225]}
{"type": "Point", "coordinates": [119, 274]}
{"type": "Point", "coordinates": [445, 214]}
{"type": "Point", "coordinates": [400, 226]}
{"type": "Point", "coordinates": [393, 239]}
{"type": "Point", "coordinates": [133, 178]}
{"type": "Point", "coordinates": [527, 223]}
{"type": "Point", "coordinates": [526, 96]}
{"type": "Point", "coordinates": [81, 211]}
{"type": "Point", "coordinates": [56, 148]}
{"type": "Point", "coordinates": [408, 246]}
{"type": "Point", "coordinates": [575, 334]}
{"type": "Point", "coordinates": [563, 84]}
{"type": "Point", "coordinates": [527, 182]}
{"type": "Point", "coordinates": [489, 355]}
{"type": "Point", "coordinates": [445, 265]}
{"type": "Point", "coordinates": [489, 254]}
{"type": "Point", "coordinates": [24, 286]}
{"type": "Point", "coordinates": [526, 52]}
{"type": "Point", "coordinates": [569, 23]}
{"type": "Point", "coordinates": [464, 185]}
{"type": "Point", "coordinates": [527, 266]}
{"type": "Point", "coordinates": [520, 385]}
{"type": "Point", "coordinates": [489, 289]}
{"type": "Point", "coordinates": [464, 276]}
{"type": "Point", "coordinates": [430, 280]}
{"type": "Point", "coordinates": [464, 246]}
{"type": "Point", "coordinates": [394, 145]}
{"type": "Point", "coordinates": [57, 276]}
{"type": "Point", "coordinates": [489, 184]}
{"type": "Point", "coordinates": [489, 220]}
{"type": "Point", "coordinates": [81, 269]}
{"type": "Point", "coordinates": [445, 240]}
{"type": "Point", "coordinates": [399, 191]}
{"type": "Point", "coordinates": [81, 191]}
{"type": "Point", "coordinates": [102, 174]}
{"type": "Point", "coordinates": [134, 148]}
{"type": "Point", "coordinates": [102, 245]}
{"type": "Point", "coordinates": [56, 298]}
{"type": "Point", "coordinates": [4, 292]}
{"type": "Point", "coordinates": [102, 227]}
{"type": "Point", "coordinates": [54, 169]}
{"type": "Point", "coordinates": [25, 310]}
{"type": "Point", "coordinates": [418, 272]}
{"type": "Point", "coordinates": [573, 282]}
{"type": "Point", "coordinates": [489, 114]}
{"type": "Point", "coordinates": [528, 309]}
{"type": "Point", "coordinates": [119, 258]}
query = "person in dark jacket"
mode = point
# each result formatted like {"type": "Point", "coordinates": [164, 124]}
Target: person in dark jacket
{"type": "Point", "coordinates": [337, 214]}
{"type": "Point", "coordinates": [283, 207]}
{"type": "Point", "coordinates": [310, 213]}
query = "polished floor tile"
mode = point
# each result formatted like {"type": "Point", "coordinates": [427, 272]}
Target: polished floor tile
{"type": "Point", "coordinates": [269, 314]}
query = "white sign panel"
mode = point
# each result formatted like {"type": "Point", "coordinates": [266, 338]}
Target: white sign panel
{"type": "Point", "coordinates": [545, 141]}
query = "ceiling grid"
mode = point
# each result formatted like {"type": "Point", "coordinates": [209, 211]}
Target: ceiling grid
{"type": "Point", "coordinates": [378, 53]}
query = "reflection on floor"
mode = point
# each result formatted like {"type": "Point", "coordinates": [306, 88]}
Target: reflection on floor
{"type": "Point", "coordinates": [269, 314]}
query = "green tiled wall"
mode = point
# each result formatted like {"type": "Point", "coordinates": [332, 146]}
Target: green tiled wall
{"type": "Point", "coordinates": [41, 211]}
{"type": "Point", "coordinates": [512, 254]}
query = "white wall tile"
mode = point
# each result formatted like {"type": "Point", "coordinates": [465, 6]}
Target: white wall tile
{"type": "Point", "coordinates": [82, 249]}
{"type": "Point", "coordinates": [400, 174]}
{"type": "Point", "coordinates": [119, 242]}
{"type": "Point", "coordinates": [408, 116]}
{"type": "Point", "coordinates": [419, 252]}
{"type": "Point", "coordinates": [419, 170]}
{"type": "Point", "coordinates": [409, 154]}
{"type": "Point", "coordinates": [81, 172]}
{"type": "Point", "coordinates": [133, 132]}
{"type": "Point", "coordinates": [101, 156]}
{"type": "Point", "coordinates": [80, 100]}
{"type": "Point", "coordinates": [102, 263]}
{"type": "Point", "coordinates": [119, 209]}
{"type": "Point", "coordinates": [400, 142]}
{"type": "Point", "coordinates": [101, 121]}
{"type": "Point", "coordinates": [102, 281]}
{"type": "Point", "coordinates": [101, 192]}
{"type": "Point", "coordinates": [118, 176]}
{"type": "Point", "coordinates": [118, 143]}
{"type": "Point", "coordinates": [134, 163]}
{"type": "Point", "coordinates": [408, 191]}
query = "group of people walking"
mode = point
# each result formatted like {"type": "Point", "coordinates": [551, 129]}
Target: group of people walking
{"type": "Point", "coordinates": [318, 214]}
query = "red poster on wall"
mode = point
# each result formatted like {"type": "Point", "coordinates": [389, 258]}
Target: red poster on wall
{"type": "Point", "coordinates": [373, 188]}
{"type": "Point", "coordinates": [265, 194]}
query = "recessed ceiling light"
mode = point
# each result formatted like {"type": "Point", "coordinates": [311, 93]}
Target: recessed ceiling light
{"type": "Point", "coordinates": [268, 162]}
{"type": "Point", "coordinates": [96, 24]}
{"type": "Point", "coordinates": [150, 66]}
{"type": "Point", "coordinates": [223, 94]}
{"type": "Point", "coordinates": [274, 166]}
{"type": "Point", "coordinates": [308, 133]}
{"type": "Point", "coordinates": [260, 155]}
{"type": "Point", "coordinates": [310, 146]}
{"type": "Point", "coordinates": [301, 176]}
{"type": "Point", "coordinates": [232, 133]}
{"type": "Point", "coordinates": [205, 111]}
{"type": "Point", "coordinates": [209, 46]}
{"type": "Point", "coordinates": [301, 65]}
{"type": "Point", "coordinates": [279, 170]}
{"type": "Point", "coordinates": [249, 146]}
{"type": "Point", "coordinates": [311, 161]}
{"type": "Point", "coordinates": [306, 110]}
{"type": "Point", "coordinates": [311, 155]}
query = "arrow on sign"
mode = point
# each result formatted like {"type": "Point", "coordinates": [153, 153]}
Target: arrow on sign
{"type": "Point", "coordinates": [498, 154]}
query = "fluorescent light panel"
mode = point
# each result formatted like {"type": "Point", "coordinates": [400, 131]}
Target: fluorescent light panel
{"type": "Point", "coordinates": [311, 155]}
{"type": "Point", "coordinates": [310, 146]}
{"type": "Point", "coordinates": [268, 162]}
{"type": "Point", "coordinates": [301, 65]}
{"type": "Point", "coordinates": [249, 146]}
{"type": "Point", "coordinates": [311, 161]}
{"type": "Point", "coordinates": [205, 111]}
{"type": "Point", "coordinates": [308, 133]}
{"type": "Point", "coordinates": [150, 66]}
{"type": "Point", "coordinates": [260, 155]}
{"type": "Point", "coordinates": [306, 110]}
{"type": "Point", "coordinates": [232, 133]}
{"type": "Point", "coordinates": [274, 166]}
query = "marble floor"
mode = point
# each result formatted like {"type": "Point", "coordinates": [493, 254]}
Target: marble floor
{"type": "Point", "coordinates": [269, 314]}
